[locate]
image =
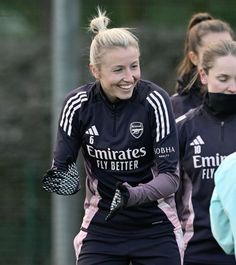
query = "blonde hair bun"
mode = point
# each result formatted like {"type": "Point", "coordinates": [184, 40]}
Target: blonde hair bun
{"type": "Point", "coordinates": [100, 22]}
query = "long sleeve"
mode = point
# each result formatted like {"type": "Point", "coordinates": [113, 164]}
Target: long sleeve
{"type": "Point", "coordinates": [222, 207]}
{"type": "Point", "coordinates": [160, 187]}
{"type": "Point", "coordinates": [165, 180]}
{"type": "Point", "coordinates": [220, 224]}
{"type": "Point", "coordinates": [63, 177]}
{"type": "Point", "coordinates": [68, 140]}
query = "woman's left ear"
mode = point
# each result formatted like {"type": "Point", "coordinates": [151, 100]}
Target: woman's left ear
{"type": "Point", "coordinates": [203, 76]}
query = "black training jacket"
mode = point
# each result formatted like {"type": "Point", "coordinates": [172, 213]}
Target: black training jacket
{"type": "Point", "coordinates": [205, 140]}
{"type": "Point", "coordinates": [133, 141]}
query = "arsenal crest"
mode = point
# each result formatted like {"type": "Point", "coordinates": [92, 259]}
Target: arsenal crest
{"type": "Point", "coordinates": [136, 129]}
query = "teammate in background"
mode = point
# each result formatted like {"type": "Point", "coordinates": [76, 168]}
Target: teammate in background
{"type": "Point", "coordinates": [206, 136]}
{"type": "Point", "coordinates": [202, 30]}
{"type": "Point", "coordinates": [127, 132]}
{"type": "Point", "coordinates": [222, 207]}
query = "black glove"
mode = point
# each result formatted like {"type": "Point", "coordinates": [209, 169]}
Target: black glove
{"type": "Point", "coordinates": [119, 200]}
{"type": "Point", "coordinates": [62, 182]}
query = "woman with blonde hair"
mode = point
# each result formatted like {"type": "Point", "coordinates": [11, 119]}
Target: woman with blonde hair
{"type": "Point", "coordinates": [127, 132]}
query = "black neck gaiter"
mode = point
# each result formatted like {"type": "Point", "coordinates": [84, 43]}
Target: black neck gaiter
{"type": "Point", "coordinates": [221, 103]}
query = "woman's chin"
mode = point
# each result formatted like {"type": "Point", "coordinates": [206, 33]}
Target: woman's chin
{"type": "Point", "coordinates": [125, 96]}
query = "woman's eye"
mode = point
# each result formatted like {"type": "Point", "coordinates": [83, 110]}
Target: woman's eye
{"type": "Point", "coordinates": [117, 70]}
{"type": "Point", "coordinates": [222, 78]}
{"type": "Point", "coordinates": [134, 66]}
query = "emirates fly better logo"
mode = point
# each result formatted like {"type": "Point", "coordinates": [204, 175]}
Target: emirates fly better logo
{"type": "Point", "coordinates": [136, 129]}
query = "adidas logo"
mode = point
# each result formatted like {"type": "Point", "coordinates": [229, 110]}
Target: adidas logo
{"type": "Point", "coordinates": [197, 141]}
{"type": "Point", "coordinates": [92, 131]}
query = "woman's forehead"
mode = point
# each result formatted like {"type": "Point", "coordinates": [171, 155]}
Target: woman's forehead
{"type": "Point", "coordinates": [225, 63]}
{"type": "Point", "coordinates": [213, 37]}
{"type": "Point", "coordinates": [120, 55]}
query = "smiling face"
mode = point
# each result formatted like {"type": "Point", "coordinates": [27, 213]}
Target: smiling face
{"type": "Point", "coordinates": [118, 72]}
{"type": "Point", "coordinates": [221, 78]}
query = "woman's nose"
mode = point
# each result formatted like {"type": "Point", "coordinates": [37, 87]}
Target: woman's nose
{"type": "Point", "coordinates": [128, 77]}
{"type": "Point", "coordinates": [232, 87]}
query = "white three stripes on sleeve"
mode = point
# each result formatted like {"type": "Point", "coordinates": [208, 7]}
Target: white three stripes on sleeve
{"type": "Point", "coordinates": [161, 113]}
{"type": "Point", "coordinates": [70, 107]}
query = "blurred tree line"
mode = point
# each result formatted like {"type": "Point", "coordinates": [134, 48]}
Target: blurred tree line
{"type": "Point", "coordinates": [25, 98]}
{"type": "Point", "coordinates": [156, 13]}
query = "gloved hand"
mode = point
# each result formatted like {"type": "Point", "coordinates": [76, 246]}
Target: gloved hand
{"type": "Point", "coordinates": [62, 182]}
{"type": "Point", "coordinates": [119, 200]}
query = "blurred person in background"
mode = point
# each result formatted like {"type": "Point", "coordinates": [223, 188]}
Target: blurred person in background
{"type": "Point", "coordinates": [202, 29]}
{"type": "Point", "coordinates": [222, 207]}
{"type": "Point", "coordinates": [206, 136]}
{"type": "Point", "coordinates": [127, 132]}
